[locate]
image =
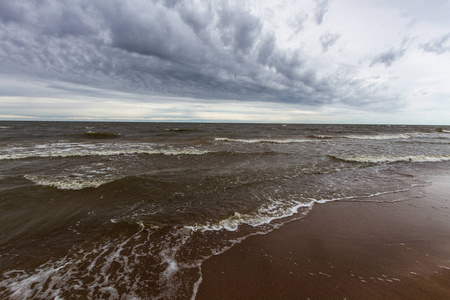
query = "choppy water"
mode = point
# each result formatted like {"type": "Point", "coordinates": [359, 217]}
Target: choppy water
{"type": "Point", "coordinates": [131, 210]}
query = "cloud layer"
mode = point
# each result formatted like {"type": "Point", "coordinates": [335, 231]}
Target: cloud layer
{"type": "Point", "coordinates": [208, 50]}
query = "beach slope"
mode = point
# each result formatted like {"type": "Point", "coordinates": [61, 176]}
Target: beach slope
{"type": "Point", "coordinates": [352, 250]}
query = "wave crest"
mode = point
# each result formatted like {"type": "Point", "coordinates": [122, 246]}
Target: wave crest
{"type": "Point", "coordinates": [378, 137]}
{"type": "Point", "coordinates": [81, 149]}
{"type": "Point", "coordinates": [364, 137]}
{"type": "Point", "coordinates": [67, 183]}
{"type": "Point", "coordinates": [390, 159]}
{"type": "Point", "coordinates": [264, 215]}
{"type": "Point", "coordinates": [271, 141]}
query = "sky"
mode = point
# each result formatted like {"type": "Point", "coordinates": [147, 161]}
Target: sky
{"type": "Point", "coordinates": [317, 61]}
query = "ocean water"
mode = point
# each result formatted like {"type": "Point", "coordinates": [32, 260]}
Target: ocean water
{"type": "Point", "coordinates": [131, 210]}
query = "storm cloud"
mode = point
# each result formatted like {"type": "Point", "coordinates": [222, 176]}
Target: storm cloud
{"type": "Point", "coordinates": [208, 50]}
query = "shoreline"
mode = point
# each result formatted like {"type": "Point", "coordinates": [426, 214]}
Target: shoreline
{"type": "Point", "coordinates": [351, 249]}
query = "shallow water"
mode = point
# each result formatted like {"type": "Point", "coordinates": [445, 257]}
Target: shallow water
{"type": "Point", "coordinates": [131, 210]}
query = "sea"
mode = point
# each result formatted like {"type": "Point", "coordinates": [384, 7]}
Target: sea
{"type": "Point", "coordinates": [92, 210]}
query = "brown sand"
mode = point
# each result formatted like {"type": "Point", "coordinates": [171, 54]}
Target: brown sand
{"type": "Point", "coordinates": [352, 250]}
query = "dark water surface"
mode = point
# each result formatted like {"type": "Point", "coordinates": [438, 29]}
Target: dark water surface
{"type": "Point", "coordinates": [131, 210]}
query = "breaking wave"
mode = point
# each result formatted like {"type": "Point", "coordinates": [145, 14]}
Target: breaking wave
{"type": "Point", "coordinates": [365, 137]}
{"type": "Point", "coordinates": [264, 215]}
{"type": "Point", "coordinates": [273, 141]}
{"type": "Point", "coordinates": [79, 149]}
{"type": "Point", "coordinates": [443, 130]}
{"type": "Point", "coordinates": [67, 183]}
{"type": "Point", "coordinates": [378, 137]}
{"type": "Point", "coordinates": [276, 210]}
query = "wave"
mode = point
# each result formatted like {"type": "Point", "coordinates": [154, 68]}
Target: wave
{"type": "Point", "coordinates": [253, 141]}
{"type": "Point", "coordinates": [101, 135]}
{"type": "Point", "coordinates": [67, 183]}
{"type": "Point", "coordinates": [173, 258]}
{"type": "Point", "coordinates": [4, 127]}
{"type": "Point", "coordinates": [390, 159]}
{"type": "Point", "coordinates": [443, 130]}
{"type": "Point", "coordinates": [378, 137]}
{"type": "Point", "coordinates": [180, 129]}
{"type": "Point", "coordinates": [321, 136]}
{"type": "Point", "coordinates": [264, 215]}
{"type": "Point", "coordinates": [276, 210]}
{"type": "Point", "coordinates": [364, 137]}
{"type": "Point", "coordinates": [79, 150]}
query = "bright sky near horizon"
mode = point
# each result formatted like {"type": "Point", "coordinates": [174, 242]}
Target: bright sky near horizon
{"type": "Point", "coordinates": [318, 61]}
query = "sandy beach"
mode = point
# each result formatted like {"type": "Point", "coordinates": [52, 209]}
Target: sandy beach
{"type": "Point", "coordinates": [344, 250]}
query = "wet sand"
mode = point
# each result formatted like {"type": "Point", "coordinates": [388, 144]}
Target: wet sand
{"type": "Point", "coordinates": [352, 250]}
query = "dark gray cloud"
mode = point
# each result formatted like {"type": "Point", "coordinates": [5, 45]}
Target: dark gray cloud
{"type": "Point", "coordinates": [393, 54]}
{"type": "Point", "coordinates": [210, 50]}
{"type": "Point", "coordinates": [388, 57]}
{"type": "Point", "coordinates": [328, 39]}
{"type": "Point", "coordinates": [10, 12]}
{"type": "Point", "coordinates": [438, 45]}
{"type": "Point", "coordinates": [321, 9]}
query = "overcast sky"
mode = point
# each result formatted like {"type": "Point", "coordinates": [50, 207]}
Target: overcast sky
{"type": "Point", "coordinates": [318, 61]}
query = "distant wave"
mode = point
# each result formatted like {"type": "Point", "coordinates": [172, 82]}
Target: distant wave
{"type": "Point", "coordinates": [80, 149]}
{"type": "Point", "coordinates": [390, 159]}
{"type": "Point", "coordinates": [378, 137]}
{"type": "Point", "coordinates": [273, 141]}
{"type": "Point", "coordinates": [4, 127]}
{"type": "Point", "coordinates": [322, 136]}
{"type": "Point", "coordinates": [364, 137]}
{"type": "Point", "coordinates": [179, 129]}
{"type": "Point", "coordinates": [101, 135]}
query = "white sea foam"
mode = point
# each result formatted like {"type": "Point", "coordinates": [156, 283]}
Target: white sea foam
{"type": "Point", "coordinates": [322, 136]}
{"type": "Point", "coordinates": [345, 198]}
{"type": "Point", "coordinates": [52, 279]}
{"type": "Point", "coordinates": [367, 137]}
{"type": "Point", "coordinates": [112, 265]}
{"type": "Point", "coordinates": [390, 159]}
{"type": "Point", "coordinates": [67, 183]}
{"type": "Point", "coordinates": [77, 178]}
{"type": "Point", "coordinates": [275, 210]}
{"type": "Point", "coordinates": [264, 215]}
{"type": "Point", "coordinates": [197, 284]}
{"type": "Point", "coordinates": [273, 141]}
{"type": "Point", "coordinates": [378, 137]}
{"type": "Point", "coordinates": [83, 149]}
